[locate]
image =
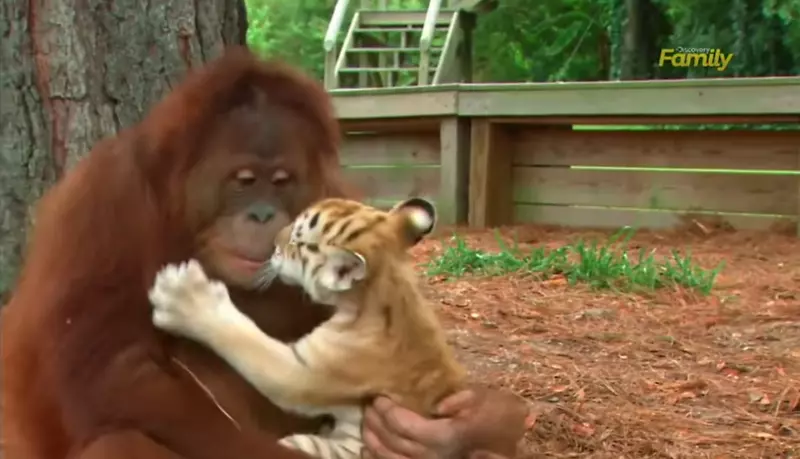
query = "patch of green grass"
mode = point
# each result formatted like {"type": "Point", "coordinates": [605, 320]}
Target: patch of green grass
{"type": "Point", "coordinates": [603, 266]}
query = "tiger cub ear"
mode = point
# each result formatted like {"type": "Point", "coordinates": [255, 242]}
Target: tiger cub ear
{"type": "Point", "coordinates": [418, 218]}
{"type": "Point", "coordinates": [341, 269]}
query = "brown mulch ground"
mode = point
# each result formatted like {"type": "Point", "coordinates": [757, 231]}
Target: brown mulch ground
{"type": "Point", "coordinates": [671, 374]}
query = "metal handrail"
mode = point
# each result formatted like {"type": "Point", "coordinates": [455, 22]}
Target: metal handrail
{"type": "Point", "coordinates": [336, 23]}
{"type": "Point", "coordinates": [430, 25]}
{"type": "Point", "coordinates": [348, 41]}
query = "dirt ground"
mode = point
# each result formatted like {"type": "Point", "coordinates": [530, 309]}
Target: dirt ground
{"type": "Point", "coordinates": [670, 374]}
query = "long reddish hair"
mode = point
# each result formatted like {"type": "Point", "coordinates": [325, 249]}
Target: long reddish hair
{"type": "Point", "coordinates": [103, 231]}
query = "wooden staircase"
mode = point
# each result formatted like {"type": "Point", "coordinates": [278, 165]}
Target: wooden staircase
{"type": "Point", "coordinates": [394, 47]}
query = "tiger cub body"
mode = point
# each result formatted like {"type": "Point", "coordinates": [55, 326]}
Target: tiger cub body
{"type": "Point", "coordinates": [383, 337]}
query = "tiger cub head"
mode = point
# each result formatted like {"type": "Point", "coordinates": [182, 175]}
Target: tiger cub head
{"type": "Point", "coordinates": [337, 245]}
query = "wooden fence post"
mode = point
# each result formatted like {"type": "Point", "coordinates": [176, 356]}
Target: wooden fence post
{"type": "Point", "coordinates": [490, 180]}
{"type": "Point", "coordinates": [453, 199]}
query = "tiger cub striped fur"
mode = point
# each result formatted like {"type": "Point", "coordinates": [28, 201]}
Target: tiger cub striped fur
{"type": "Point", "coordinates": [382, 338]}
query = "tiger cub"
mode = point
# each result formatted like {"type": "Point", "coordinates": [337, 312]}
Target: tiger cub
{"type": "Point", "coordinates": [383, 337]}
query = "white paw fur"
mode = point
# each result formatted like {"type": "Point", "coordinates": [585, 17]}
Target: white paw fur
{"type": "Point", "coordinates": [185, 301]}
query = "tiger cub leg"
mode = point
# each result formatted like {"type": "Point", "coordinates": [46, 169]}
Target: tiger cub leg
{"type": "Point", "coordinates": [343, 442]}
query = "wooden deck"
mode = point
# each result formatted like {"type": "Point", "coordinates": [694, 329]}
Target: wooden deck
{"type": "Point", "coordinates": [494, 154]}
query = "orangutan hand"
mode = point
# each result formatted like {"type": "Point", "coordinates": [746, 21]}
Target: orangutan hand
{"type": "Point", "coordinates": [475, 423]}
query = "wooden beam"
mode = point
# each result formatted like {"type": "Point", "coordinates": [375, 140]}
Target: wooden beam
{"type": "Point", "coordinates": [710, 97]}
{"type": "Point", "coordinates": [490, 180]}
{"type": "Point", "coordinates": [637, 84]}
{"type": "Point", "coordinates": [713, 98]}
{"type": "Point", "coordinates": [608, 218]}
{"type": "Point", "coordinates": [382, 18]}
{"type": "Point", "coordinates": [621, 120]}
{"type": "Point", "coordinates": [753, 150]}
{"type": "Point", "coordinates": [368, 104]}
{"type": "Point", "coordinates": [389, 125]}
{"type": "Point", "coordinates": [768, 194]}
{"type": "Point", "coordinates": [454, 170]}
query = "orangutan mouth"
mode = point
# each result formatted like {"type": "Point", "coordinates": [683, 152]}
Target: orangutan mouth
{"type": "Point", "coordinates": [245, 262]}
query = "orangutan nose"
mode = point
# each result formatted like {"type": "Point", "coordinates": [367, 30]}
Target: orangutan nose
{"type": "Point", "coordinates": [260, 213]}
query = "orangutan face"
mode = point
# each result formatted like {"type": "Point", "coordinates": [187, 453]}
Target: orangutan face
{"type": "Point", "coordinates": [256, 177]}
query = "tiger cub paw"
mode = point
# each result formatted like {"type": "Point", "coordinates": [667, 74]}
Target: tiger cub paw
{"type": "Point", "coordinates": [186, 302]}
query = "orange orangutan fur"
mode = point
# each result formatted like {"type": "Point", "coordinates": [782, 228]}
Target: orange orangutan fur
{"type": "Point", "coordinates": [85, 373]}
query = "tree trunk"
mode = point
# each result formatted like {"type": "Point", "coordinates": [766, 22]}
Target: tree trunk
{"type": "Point", "coordinates": [77, 71]}
{"type": "Point", "coordinates": [646, 29]}
{"type": "Point", "coordinates": [631, 45]}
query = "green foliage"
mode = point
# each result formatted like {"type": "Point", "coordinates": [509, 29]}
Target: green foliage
{"type": "Point", "coordinates": [572, 40]}
{"type": "Point", "coordinates": [569, 40]}
{"type": "Point", "coordinates": [290, 31]}
{"type": "Point", "coordinates": [548, 40]}
{"type": "Point", "coordinates": [606, 266]}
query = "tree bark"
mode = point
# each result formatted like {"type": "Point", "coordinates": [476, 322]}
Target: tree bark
{"type": "Point", "coordinates": [77, 71]}
{"type": "Point", "coordinates": [631, 46]}
{"type": "Point", "coordinates": [646, 29]}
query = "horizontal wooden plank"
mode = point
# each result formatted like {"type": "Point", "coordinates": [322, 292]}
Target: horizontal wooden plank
{"type": "Point", "coordinates": [652, 119]}
{"type": "Point", "coordinates": [366, 104]}
{"type": "Point", "coordinates": [605, 218]}
{"type": "Point", "coordinates": [762, 193]}
{"type": "Point", "coordinates": [394, 182]}
{"type": "Point", "coordinates": [403, 18]}
{"type": "Point", "coordinates": [726, 96]}
{"type": "Point", "coordinates": [343, 93]}
{"type": "Point", "coordinates": [693, 83]}
{"type": "Point", "coordinates": [709, 97]}
{"type": "Point", "coordinates": [762, 150]}
{"type": "Point", "coordinates": [696, 83]}
{"type": "Point", "coordinates": [410, 149]}
{"type": "Point", "coordinates": [427, 124]}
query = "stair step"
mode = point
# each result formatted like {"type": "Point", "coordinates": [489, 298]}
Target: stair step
{"type": "Point", "coordinates": [400, 18]}
{"type": "Point", "coordinates": [394, 29]}
{"type": "Point", "coordinates": [381, 69]}
{"type": "Point", "coordinates": [391, 50]}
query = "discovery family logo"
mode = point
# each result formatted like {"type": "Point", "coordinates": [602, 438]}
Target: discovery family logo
{"type": "Point", "coordinates": [695, 57]}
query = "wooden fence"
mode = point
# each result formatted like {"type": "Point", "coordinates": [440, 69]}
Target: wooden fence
{"type": "Point", "coordinates": [501, 154]}
{"type": "Point", "coordinates": [391, 161]}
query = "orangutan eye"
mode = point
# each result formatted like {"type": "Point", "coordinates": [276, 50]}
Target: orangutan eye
{"type": "Point", "coordinates": [245, 177]}
{"type": "Point", "coordinates": [281, 177]}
